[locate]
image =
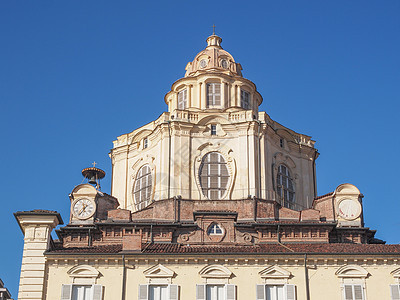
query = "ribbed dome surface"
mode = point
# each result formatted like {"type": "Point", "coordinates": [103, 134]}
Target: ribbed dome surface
{"type": "Point", "coordinates": [213, 59]}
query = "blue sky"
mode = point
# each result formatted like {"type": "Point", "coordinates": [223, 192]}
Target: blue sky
{"type": "Point", "coordinates": [76, 74]}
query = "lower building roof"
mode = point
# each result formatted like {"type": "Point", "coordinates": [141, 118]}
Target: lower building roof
{"type": "Point", "coordinates": [168, 248]}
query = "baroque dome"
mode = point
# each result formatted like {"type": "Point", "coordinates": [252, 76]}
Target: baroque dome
{"type": "Point", "coordinates": [213, 59]}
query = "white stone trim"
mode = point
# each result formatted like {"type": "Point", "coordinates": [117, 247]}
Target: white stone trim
{"type": "Point", "coordinates": [83, 274]}
{"type": "Point", "coordinates": [226, 153]}
{"type": "Point", "coordinates": [159, 274]}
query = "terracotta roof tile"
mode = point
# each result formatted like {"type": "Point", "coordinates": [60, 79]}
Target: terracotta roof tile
{"type": "Point", "coordinates": [94, 250]}
{"type": "Point", "coordinates": [167, 248]}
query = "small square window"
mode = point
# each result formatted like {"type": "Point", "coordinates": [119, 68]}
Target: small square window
{"type": "Point", "coordinates": [214, 129]}
{"type": "Point", "coordinates": [145, 143]}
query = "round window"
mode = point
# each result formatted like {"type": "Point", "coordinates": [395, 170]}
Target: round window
{"type": "Point", "coordinates": [203, 63]}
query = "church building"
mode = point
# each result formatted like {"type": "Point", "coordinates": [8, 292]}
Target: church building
{"type": "Point", "coordinates": [213, 200]}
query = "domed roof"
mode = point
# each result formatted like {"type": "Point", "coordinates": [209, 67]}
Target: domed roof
{"type": "Point", "coordinates": [213, 59]}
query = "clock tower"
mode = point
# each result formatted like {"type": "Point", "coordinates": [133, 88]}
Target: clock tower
{"type": "Point", "coordinates": [88, 203]}
{"type": "Point", "coordinates": [348, 206]}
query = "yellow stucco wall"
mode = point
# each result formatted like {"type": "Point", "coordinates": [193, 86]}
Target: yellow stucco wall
{"type": "Point", "coordinates": [324, 284]}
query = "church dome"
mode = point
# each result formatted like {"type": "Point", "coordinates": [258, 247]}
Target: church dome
{"type": "Point", "coordinates": [213, 59]}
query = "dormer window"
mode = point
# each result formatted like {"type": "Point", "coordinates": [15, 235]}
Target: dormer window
{"type": "Point", "coordinates": [182, 99]}
{"type": "Point", "coordinates": [244, 99]}
{"type": "Point", "coordinates": [213, 94]}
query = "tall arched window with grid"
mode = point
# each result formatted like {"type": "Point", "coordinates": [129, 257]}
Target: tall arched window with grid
{"type": "Point", "coordinates": [285, 187]}
{"type": "Point", "coordinates": [142, 187]}
{"type": "Point", "coordinates": [214, 175]}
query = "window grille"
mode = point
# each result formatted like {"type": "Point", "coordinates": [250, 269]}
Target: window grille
{"type": "Point", "coordinates": [285, 187]}
{"type": "Point", "coordinates": [214, 175]}
{"type": "Point", "coordinates": [142, 187]}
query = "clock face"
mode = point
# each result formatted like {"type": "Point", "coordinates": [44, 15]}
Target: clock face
{"type": "Point", "coordinates": [203, 63]}
{"type": "Point", "coordinates": [83, 208]}
{"type": "Point", "coordinates": [349, 209]}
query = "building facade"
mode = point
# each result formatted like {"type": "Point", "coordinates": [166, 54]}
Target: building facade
{"type": "Point", "coordinates": [214, 200]}
{"type": "Point", "coordinates": [4, 293]}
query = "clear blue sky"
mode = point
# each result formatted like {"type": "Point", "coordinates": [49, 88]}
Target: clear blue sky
{"type": "Point", "coordinates": [76, 74]}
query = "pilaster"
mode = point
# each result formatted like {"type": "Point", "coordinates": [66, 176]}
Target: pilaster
{"type": "Point", "coordinates": [36, 226]}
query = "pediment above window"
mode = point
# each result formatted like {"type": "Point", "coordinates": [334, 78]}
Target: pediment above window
{"type": "Point", "coordinates": [158, 271]}
{"type": "Point", "coordinates": [215, 271]}
{"type": "Point", "coordinates": [83, 274]}
{"type": "Point", "coordinates": [351, 271]}
{"type": "Point", "coordinates": [396, 273]}
{"type": "Point", "coordinates": [275, 272]}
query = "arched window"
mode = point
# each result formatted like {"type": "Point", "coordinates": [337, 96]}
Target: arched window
{"type": "Point", "coordinates": [214, 175]}
{"type": "Point", "coordinates": [142, 187]}
{"type": "Point", "coordinates": [214, 229]}
{"type": "Point", "coordinates": [285, 187]}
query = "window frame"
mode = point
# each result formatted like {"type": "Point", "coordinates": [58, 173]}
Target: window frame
{"type": "Point", "coordinates": [353, 295]}
{"type": "Point", "coordinates": [214, 99]}
{"type": "Point", "coordinates": [245, 99]}
{"type": "Point", "coordinates": [148, 187]}
{"type": "Point", "coordinates": [229, 291]}
{"type": "Point", "coordinates": [182, 99]}
{"type": "Point", "coordinates": [172, 292]}
{"type": "Point", "coordinates": [67, 291]}
{"type": "Point", "coordinates": [206, 183]}
{"type": "Point", "coordinates": [283, 182]}
{"type": "Point", "coordinates": [261, 291]}
{"type": "Point", "coordinates": [213, 229]}
{"type": "Point", "coordinates": [213, 129]}
{"type": "Point", "coordinates": [395, 287]}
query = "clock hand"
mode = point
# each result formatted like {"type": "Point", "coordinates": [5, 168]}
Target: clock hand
{"type": "Point", "coordinates": [82, 209]}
